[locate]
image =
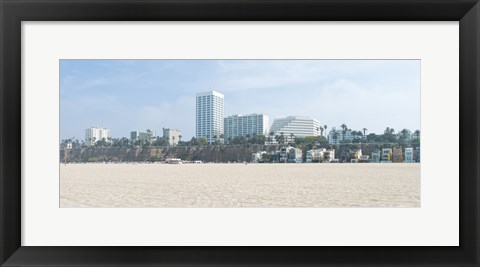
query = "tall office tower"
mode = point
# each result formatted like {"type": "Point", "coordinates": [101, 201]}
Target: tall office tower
{"type": "Point", "coordinates": [209, 115]}
{"type": "Point", "coordinates": [94, 134]}
{"type": "Point", "coordinates": [243, 125]}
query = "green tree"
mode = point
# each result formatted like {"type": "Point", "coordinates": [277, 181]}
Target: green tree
{"type": "Point", "coordinates": [344, 130]}
{"type": "Point", "coordinates": [417, 133]}
{"type": "Point", "coordinates": [216, 140]}
{"type": "Point", "coordinates": [202, 141]}
{"type": "Point", "coordinates": [405, 134]}
{"type": "Point", "coordinates": [389, 135]}
{"type": "Point", "coordinates": [335, 136]}
{"type": "Point", "coordinates": [194, 141]}
{"type": "Point", "coordinates": [253, 139]}
{"type": "Point", "coordinates": [160, 141]}
{"type": "Point", "coordinates": [239, 140]}
{"type": "Point", "coordinates": [102, 143]}
{"type": "Point", "coordinates": [416, 139]}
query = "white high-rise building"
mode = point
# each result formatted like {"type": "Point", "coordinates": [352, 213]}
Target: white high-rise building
{"type": "Point", "coordinates": [299, 126]}
{"type": "Point", "coordinates": [243, 125]}
{"type": "Point", "coordinates": [209, 115]}
{"type": "Point", "coordinates": [172, 135]}
{"type": "Point", "coordinates": [337, 136]}
{"type": "Point", "coordinates": [148, 136]}
{"type": "Point", "coordinates": [94, 134]}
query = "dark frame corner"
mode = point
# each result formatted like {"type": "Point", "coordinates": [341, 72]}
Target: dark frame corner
{"type": "Point", "coordinates": [13, 12]}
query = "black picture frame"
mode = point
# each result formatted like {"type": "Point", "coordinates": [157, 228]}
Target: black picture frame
{"type": "Point", "coordinates": [13, 12]}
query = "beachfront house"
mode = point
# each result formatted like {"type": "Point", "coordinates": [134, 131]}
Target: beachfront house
{"type": "Point", "coordinates": [258, 156]}
{"type": "Point", "coordinates": [408, 155]}
{"type": "Point", "coordinates": [386, 155]}
{"type": "Point", "coordinates": [356, 154]}
{"type": "Point", "coordinates": [283, 154]}
{"type": "Point", "coordinates": [295, 155]}
{"type": "Point", "coordinates": [397, 154]}
{"type": "Point", "coordinates": [315, 155]}
{"type": "Point", "coordinates": [364, 159]}
{"type": "Point", "coordinates": [376, 156]}
{"type": "Point", "coordinates": [345, 155]}
{"type": "Point", "coordinates": [329, 155]}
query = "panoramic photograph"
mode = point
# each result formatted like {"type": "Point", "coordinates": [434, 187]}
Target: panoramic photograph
{"type": "Point", "coordinates": [239, 133]}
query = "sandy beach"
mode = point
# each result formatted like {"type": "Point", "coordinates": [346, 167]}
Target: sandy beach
{"type": "Point", "coordinates": [239, 185]}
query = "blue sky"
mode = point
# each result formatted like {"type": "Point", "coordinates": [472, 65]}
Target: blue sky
{"type": "Point", "coordinates": [128, 95]}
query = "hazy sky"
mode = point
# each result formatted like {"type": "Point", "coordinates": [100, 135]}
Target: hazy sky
{"type": "Point", "coordinates": [128, 95]}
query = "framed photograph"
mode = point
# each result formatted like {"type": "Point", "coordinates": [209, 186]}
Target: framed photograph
{"type": "Point", "coordinates": [239, 133]}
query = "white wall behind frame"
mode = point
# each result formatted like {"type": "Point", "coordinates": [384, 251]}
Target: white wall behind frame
{"type": "Point", "coordinates": [44, 43]}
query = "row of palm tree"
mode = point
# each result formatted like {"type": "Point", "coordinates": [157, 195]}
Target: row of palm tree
{"type": "Point", "coordinates": [122, 142]}
{"type": "Point", "coordinates": [388, 135]}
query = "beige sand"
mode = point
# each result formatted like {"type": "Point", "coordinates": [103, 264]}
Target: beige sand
{"type": "Point", "coordinates": [239, 185]}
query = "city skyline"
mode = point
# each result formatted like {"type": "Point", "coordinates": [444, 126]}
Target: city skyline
{"type": "Point", "coordinates": [128, 95]}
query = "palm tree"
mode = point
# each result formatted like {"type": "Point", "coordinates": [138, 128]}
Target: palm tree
{"type": "Point", "coordinates": [364, 130]}
{"type": "Point", "coordinates": [180, 138]}
{"type": "Point", "coordinates": [388, 134]}
{"type": "Point", "coordinates": [292, 136]}
{"type": "Point", "coordinates": [344, 127]}
{"type": "Point", "coordinates": [91, 141]}
{"type": "Point", "coordinates": [254, 138]}
{"type": "Point", "coordinates": [335, 136]}
{"type": "Point", "coordinates": [417, 133]}
{"type": "Point", "coordinates": [325, 127]}
{"type": "Point", "coordinates": [271, 134]}
{"type": "Point", "coordinates": [405, 133]}
{"type": "Point", "coordinates": [359, 136]}
{"type": "Point", "coordinates": [389, 130]}
{"type": "Point", "coordinates": [321, 130]}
